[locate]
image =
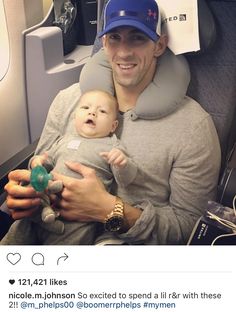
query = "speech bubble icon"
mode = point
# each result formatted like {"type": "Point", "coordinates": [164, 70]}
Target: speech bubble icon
{"type": "Point", "coordinates": [38, 258]}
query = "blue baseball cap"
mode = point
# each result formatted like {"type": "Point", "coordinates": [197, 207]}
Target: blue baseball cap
{"type": "Point", "coordinates": [141, 14]}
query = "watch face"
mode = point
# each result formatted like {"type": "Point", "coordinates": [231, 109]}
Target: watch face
{"type": "Point", "coordinates": [114, 224]}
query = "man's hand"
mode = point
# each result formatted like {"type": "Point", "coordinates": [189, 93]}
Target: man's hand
{"type": "Point", "coordinates": [38, 160]}
{"type": "Point", "coordinates": [83, 199]}
{"type": "Point", "coordinates": [22, 201]}
{"type": "Point", "coordinates": [115, 157]}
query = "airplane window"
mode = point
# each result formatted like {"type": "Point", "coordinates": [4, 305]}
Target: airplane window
{"type": "Point", "coordinates": [4, 43]}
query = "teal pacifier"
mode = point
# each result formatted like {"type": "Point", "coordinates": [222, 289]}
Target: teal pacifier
{"type": "Point", "coordinates": [39, 178]}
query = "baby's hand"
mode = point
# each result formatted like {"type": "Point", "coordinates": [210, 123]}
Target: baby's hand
{"type": "Point", "coordinates": [115, 157]}
{"type": "Point", "coordinates": [38, 160]}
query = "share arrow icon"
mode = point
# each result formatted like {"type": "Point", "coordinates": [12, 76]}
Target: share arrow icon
{"type": "Point", "coordinates": [62, 258]}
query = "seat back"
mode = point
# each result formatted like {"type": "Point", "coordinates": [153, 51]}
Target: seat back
{"type": "Point", "coordinates": [213, 74]}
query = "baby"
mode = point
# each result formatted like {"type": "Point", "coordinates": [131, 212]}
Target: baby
{"type": "Point", "coordinates": [94, 144]}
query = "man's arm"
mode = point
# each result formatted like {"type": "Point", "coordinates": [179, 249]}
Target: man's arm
{"type": "Point", "coordinates": [192, 182]}
{"type": "Point", "coordinates": [59, 117]}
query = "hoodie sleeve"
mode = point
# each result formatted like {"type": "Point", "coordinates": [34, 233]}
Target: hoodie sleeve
{"type": "Point", "coordinates": [59, 117]}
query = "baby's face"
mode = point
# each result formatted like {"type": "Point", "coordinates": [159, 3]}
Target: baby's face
{"type": "Point", "coordinates": [95, 116]}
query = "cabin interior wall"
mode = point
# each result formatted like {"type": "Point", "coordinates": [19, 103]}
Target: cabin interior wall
{"type": "Point", "coordinates": [14, 135]}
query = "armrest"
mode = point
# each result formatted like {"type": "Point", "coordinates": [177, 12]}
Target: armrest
{"type": "Point", "coordinates": [18, 161]}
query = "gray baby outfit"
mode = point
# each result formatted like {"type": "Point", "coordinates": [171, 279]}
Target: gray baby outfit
{"type": "Point", "coordinates": [72, 147]}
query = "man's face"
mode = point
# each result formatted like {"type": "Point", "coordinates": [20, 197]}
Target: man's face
{"type": "Point", "coordinates": [132, 56]}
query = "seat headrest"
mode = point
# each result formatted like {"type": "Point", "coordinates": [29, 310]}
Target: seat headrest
{"type": "Point", "coordinates": [189, 24]}
{"type": "Point", "coordinates": [207, 26]}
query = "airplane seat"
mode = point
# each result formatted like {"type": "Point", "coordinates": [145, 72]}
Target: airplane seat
{"type": "Point", "coordinates": [213, 74]}
{"type": "Point", "coordinates": [55, 57]}
{"type": "Point", "coordinates": [213, 77]}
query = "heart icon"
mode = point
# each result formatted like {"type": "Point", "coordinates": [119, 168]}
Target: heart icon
{"type": "Point", "coordinates": [11, 281]}
{"type": "Point", "coordinates": [13, 258]}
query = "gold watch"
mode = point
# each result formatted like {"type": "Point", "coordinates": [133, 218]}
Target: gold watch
{"type": "Point", "coordinates": [115, 220]}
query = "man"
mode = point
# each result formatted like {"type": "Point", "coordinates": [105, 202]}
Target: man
{"type": "Point", "coordinates": [175, 145]}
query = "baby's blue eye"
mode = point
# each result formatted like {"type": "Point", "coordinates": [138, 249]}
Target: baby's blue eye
{"type": "Point", "coordinates": [103, 111]}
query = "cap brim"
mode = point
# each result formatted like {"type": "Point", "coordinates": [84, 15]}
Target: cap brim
{"type": "Point", "coordinates": [126, 22]}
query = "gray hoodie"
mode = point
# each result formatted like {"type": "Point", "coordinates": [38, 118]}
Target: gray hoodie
{"type": "Point", "coordinates": [171, 139]}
